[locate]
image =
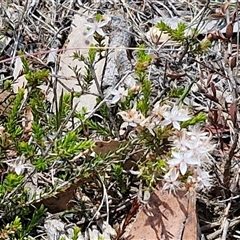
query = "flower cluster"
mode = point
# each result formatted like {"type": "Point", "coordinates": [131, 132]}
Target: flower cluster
{"type": "Point", "coordinates": [164, 116]}
{"type": "Point", "coordinates": [189, 155]}
{"type": "Point", "coordinates": [189, 150]}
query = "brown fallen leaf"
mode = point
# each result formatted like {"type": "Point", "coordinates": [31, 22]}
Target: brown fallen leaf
{"type": "Point", "coordinates": [167, 217]}
{"type": "Point", "coordinates": [104, 147]}
{"type": "Point", "coordinates": [190, 227]}
{"type": "Point", "coordinates": [61, 200]}
{"type": "Point", "coordinates": [229, 30]}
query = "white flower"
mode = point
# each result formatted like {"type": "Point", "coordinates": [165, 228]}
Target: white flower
{"type": "Point", "coordinates": [195, 142]}
{"type": "Point", "coordinates": [183, 159]}
{"type": "Point", "coordinates": [174, 117]}
{"type": "Point", "coordinates": [202, 178]}
{"type": "Point", "coordinates": [196, 133]}
{"type": "Point", "coordinates": [132, 116]}
{"type": "Point", "coordinates": [18, 166]}
{"type": "Point", "coordinates": [179, 140]}
{"type": "Point", "coordinates": [171, 183]}
{"type": "Point", "coordinates": [200, 149]}
{"type": "Point", "coordinates": [154, 119]}
{"type": "Point", "coordinates": [95, 27]}
{"type": "Point", "coordinates": [158, 111]}
{"type": "Point", "coordinates": [119, 94]}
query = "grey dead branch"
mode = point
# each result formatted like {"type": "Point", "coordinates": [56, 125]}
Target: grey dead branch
{"type": "Point", "coordinates": [118, 62]}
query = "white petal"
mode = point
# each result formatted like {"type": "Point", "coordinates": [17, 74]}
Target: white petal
{"type": "Point", "coordinates": [182, 118]}
{"type": "Point", "coordinates": [176, 154]}
{"type": "Point", "coordinates": [165, 122]}
{"type": "Point", "coordinates": [89, 25]}
{"type": "Point", "coordinates": [19, 169]}
{"type": "Point", "coordinates": [103, 23]}
{"type": "Point", "coordinates": [115, 99]}
{"type": "Point", "coordinates": [166, 114]}
{"type": "Point", "coordinates": [176, 125]}
{"type": "Point", "coordinates": [183, 168]}
{"type": "Point", "coordinates": [193, 161]}
{"type": "Point", "coordinates": [100, 32]}
{"type": "Point", "coordinates": [90, 32]}
{"type": "Point", "coordinates": [174, 161]}
{"type": "Point", "coordinates": [132, 124]}
{"type": "Point", "coordinates": [172, 175]}
{"type": "Point", "coordinates": [123, 114]}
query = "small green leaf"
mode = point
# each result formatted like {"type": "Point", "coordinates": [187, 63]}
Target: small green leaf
{"type": "Point", "coordinates": [92, 53]}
